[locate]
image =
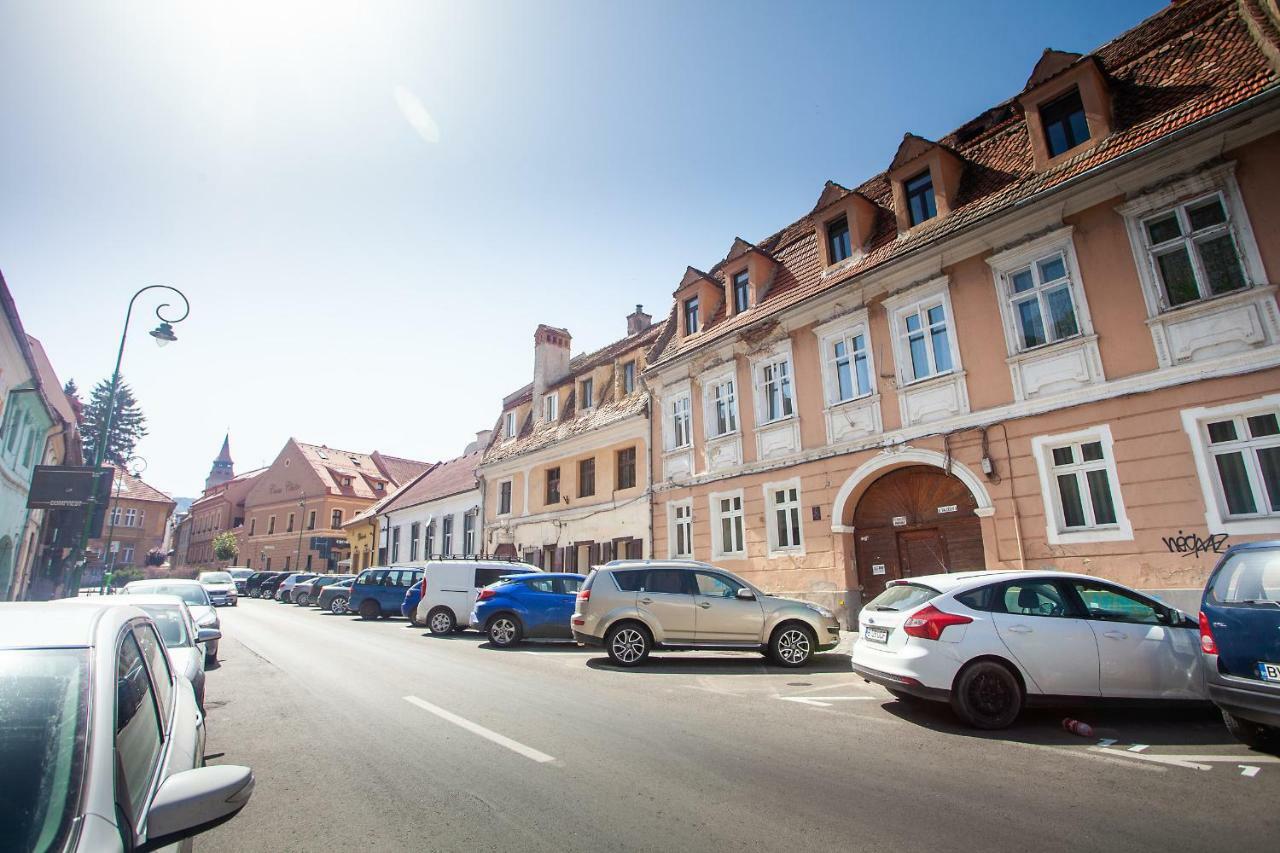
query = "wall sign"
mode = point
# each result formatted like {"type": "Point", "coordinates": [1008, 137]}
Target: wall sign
{"type": "Point", "coordinates": [877, 569]}
{"type": "Point", "coordinates": [943, 510]}
{"type": "Point", "coordinates": [899, 521]}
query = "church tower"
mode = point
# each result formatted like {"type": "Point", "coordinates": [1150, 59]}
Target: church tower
{"type": "Point", "coordinates": [223, 469]}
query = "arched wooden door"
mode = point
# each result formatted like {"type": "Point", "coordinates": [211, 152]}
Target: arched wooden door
{"type": "Point", "coordinates": [911, 522]}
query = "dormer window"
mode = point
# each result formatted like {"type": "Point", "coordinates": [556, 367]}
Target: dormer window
{"type": "Point", "coordinates": [839, 245]}
{"type": "Point", "coordinates": [587, 393]}
{"type": "Point", "coordinates": [1064, 123]}
{"type": "Point", "coordinates": [628, 377]}
{"type": "Point", "coordinates": [509, 428]}
{"type": "Point", "coordinates": [550, 404]}
{"type": "Point", "coordinates": [921, 205]}
{"type": "Point", "coordinates": [691, 315]}
{"type": "Point", "coordinates": [741, 292]}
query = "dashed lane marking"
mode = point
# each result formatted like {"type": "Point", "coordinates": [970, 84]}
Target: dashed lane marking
{"type": "Point", "coordinates": [1248, 771]}
{"type": "Point", "coordinates": [477, 729]}
{"type": "Point", "coordinates": [825, 701]}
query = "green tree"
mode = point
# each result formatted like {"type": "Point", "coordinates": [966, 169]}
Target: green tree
{"type": "Point", "coordinates": [225, 547]}
{"type": "Point", "coordinates": [127, 427]}
{"type": "Point", "coordinates": [73, 395]}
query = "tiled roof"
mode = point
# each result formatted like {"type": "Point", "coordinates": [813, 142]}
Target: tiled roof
{"type": "Point", "coordinates": [448, 478]}
{"type": "Point", "coordinates": [398, 469]}
{"type": "Point", "coordinates": [584, 362]}
{"type": "Point", "coordinates": [238, 483]}
{"type": "Point", "coordinates": [335, 467]}
{"type": "Point", "coordinates": [540, 434]}
{"type": "Point", "coordinates": [128, 487]}
{"type": "Point", "coordinates": [1188, 62]}
{"type": "Point", "coordinates": [49, 382]}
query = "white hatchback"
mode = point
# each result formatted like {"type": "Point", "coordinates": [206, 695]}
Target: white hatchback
{"type": "Point", "coordinates": [990, 643]}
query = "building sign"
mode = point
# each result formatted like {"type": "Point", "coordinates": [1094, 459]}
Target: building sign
{"type": "Point", "coordinates": [877, 569]}
{"type": "Point", "coordinates": [899, 521]}
{"type": "Point", "coordinates": [68, 486]}
{"type": "Point", "coordinates": [943, 510]}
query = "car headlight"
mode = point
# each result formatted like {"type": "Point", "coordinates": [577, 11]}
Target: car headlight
{"type": "Point", "coordinates": [821, 611]}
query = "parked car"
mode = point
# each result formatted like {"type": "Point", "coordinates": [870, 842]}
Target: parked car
{"type": "Point", "coordinates": [334, 597]}
{"type": "Point", "coordinates": [197, 600]}
{"type": "Point", "coordinates": [449, 589]}
{"type": "Point", "coordinates": [220, 586]}
{"type": "Point", "coordinates": [634, 606]}
{"type": "Point", "coordinates": [270, 585]}
{"type": "Point", "coordinates": [241, 577]}
{"type": "Point", "coordinates": [253, 585]}
{"type": "Point", "coordinates": [284, 593]}
{"type": "Point", "coordinates": [990, 643]}
{"type": "Point", "coordinates": [378, 592]}
{"type": "Point", "coordinates": [97, 694]}
{"type": "Point", "coordinates": [306, 593]}
{"type": "Point", "coordinates": [527, 606]}
{"type": "Point", "coordinates": [1240, 641]}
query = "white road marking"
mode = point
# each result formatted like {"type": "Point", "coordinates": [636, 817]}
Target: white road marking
{"type": "Point", "coordinates": [1107, 741]}
{"type": "Point", "coordinates": [1138, 747]}
{"type": "Point", "coordinates": [475, 728]}
{"type": "Point", "coordinates": [1172, 760]}
{"type": "Point", "coordinates": [825, 701]}
{"type": "Point", "coordinates": [1092, 756]}
{"type": "Point", "coordinates": [1246, 770]}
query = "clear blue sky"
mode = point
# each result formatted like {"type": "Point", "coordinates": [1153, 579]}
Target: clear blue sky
{"type": "Point", "coordinates": [371, 206]}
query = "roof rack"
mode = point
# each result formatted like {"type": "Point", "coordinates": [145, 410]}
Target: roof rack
{"type": "Point", "coordinates": [693, 564]}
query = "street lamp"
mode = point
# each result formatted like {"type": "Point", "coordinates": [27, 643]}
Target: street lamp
{"type": "Point", "coordinates": [164, 335]}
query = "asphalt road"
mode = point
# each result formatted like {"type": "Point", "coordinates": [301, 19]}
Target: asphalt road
{"type": "Point", "coordinates": [550, 748]}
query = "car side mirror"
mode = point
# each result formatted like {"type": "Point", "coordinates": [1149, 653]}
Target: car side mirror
{"type": "Point", "coordinates": [745, 594]}
{"type": "Point", "coordinates": [195, 801]}
{"type": "Point", "coordinates": [208, 635]}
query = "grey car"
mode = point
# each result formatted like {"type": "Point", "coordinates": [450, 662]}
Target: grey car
{"type": "Point", "coordinates": [182, 639]}
{"type": "Point", "coordinates": [631, 607]}
{"type": "Point", "coordinates": [335, 597]}
{"type": "Point", "coordinates": [197, 601]}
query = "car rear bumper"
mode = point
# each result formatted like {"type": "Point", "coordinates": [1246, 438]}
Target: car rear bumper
{"type": "Point", "coordinates": [587, 639]}
{"type": "Point", "coordinates": [902, 683]}
{"type": "Point", "coordinates": [1246, 698]}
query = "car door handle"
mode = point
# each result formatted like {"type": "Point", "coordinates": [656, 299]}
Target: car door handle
{"type": "Point", "coordinates": [704, 604]}
{"type": "Point", "coordinates": [1019, 629]}
{"type": "Point", "coordinates": [646, 601]}
{"type": "Point", "coordinates": [1116, 635]}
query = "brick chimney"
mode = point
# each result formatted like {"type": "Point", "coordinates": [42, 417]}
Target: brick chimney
{"type": "Point", "coordinates": [481, 442]}
{"type": "Point", "coordinates": [550, 359]}
{"type": "Point", "coordinates": [638, 322]}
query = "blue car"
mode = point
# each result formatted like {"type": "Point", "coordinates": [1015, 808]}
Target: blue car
{"type": "Point", "coordinates": [378, 592]}
{"type": "Point", "coordinates": [1240, 641]}
{"type": "Point", "coordinates": [409, 606]}
{"type": "Point", "coordinates": [527, 606]}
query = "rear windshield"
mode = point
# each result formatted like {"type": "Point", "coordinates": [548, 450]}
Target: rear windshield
{"type": "Point", "coordinates": [215, 577]}
{"type": "Point", "coordinates": [172, 625]}
{"type": "Point", "coordinates": [191, 593]}
{"type": "Point", "coordinates": [903, 596]}
{"type": "Point", "coordinates": [1249, 578]}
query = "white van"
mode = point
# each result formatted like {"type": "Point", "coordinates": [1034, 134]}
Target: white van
{"type": "Point", "coordinates": [450, 587]}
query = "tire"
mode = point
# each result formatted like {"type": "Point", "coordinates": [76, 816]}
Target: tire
{"type": "Point", "coordinates": [792, 645]}
{"type": "Point", "coordinates": [628, 644]}
{"type": "Point", "coordinates": [338, 606]}
{"type": "Point", "coordinates": [369, 610]}
{"type": "Point", "coordinates": [413, 618]}
{"type": "Point", "coordinates": [302, 600]}
{"type": "Point", "coordinates": [1250, 733]}
{"type": "Point", "coordinates": [505, 630]}
{"type": "Point", "coordinates": [441, 621]}
{"type": "Point", "coordinates": [987, 695]}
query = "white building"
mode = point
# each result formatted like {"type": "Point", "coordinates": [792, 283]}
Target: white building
{"type": "Point", "coordinates": [435, 515]}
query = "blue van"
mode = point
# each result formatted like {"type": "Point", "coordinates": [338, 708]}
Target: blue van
{"type": "Point", "coordinates": [1240, 641]}
{"type": "Point", "coordinates": [379, 591]}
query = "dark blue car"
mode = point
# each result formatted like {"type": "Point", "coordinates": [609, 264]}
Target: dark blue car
{"type": "Point", "coordinates": [1240, 639]}
{"type": "Point", "coordinates": [527, 606]}
{"type": "Point", "coordinates": [378, 592]}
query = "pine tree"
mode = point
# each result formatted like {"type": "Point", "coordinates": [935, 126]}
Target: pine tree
{"type": "Point", "coordinates": [73, 396]}
{"type": "Point", "coordinates": [127, 427]}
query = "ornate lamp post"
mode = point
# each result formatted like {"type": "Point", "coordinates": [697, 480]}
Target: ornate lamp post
{"type": "Point", "coordinates": [164, 336]}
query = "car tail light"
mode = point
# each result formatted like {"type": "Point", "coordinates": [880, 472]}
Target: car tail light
{"type": "Point", "coordinates": [1207, 643]}
{"type": "Point", "coordinates": [929, 623]}
{"type": "Point", "coordinates": [584, 595]}
{"type": "Point", "coordinates": [485, 595]}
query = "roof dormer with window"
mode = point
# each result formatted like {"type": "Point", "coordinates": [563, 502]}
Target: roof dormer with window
{"type": "Point", "coordinates": [697, 299]}
{"type": "Point", "coordinates": [1067, 103]}
{"type": "Point", "coordinates": [844, 221]}
{"type": "Point", "coordinates": [748, 272]}
{"type": "Point", "coordinates": [926, 181]}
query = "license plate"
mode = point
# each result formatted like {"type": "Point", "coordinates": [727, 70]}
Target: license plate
{"type": "Point", "coordinates": [876, 635]}
{"type": "Point", "coordinates": [1269, 671]}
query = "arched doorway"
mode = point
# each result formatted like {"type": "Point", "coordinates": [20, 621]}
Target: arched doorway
{"type": "Point", "coordinates": [913, 521]}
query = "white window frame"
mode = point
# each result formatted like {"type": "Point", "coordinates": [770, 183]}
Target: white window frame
{"type": "Point", "coordinates": [918, 300]}
{"type": "Point", "coordinates": [550, 407]}
{"type": "Point", "coordinates": [1194, 422]}
{"type": "Point", "coordinates": [718, 550]}
{"type": "Point", "coordinates": [1006, 264]}
{"type": "Point", "coordinates": [587, 384]}
{"type": "Point", "coordinates": [771, 510]}
{"type": "Point", "coordinates": [509, 426]}
{"type": "Point", "coordinates": [469, 533]}
{"type": "Point", "coordinates": [1056, 531]}
{"type": "Point", "coordinates": [130, 517]}
{"type": "Point", "coordinates": [680, 514]}
{"type": "Point", "coordinates": [777, 358]}
{"type": "Point", "coordinates": [710, 385]}
{"type": "Point", "coordinates": [845, 329]}
{"type": "Point", "coordinates": [395, 544]}
{"type": "Point", "coordinates": [446, 535]}
{"type": "Point", "coordinates": [511, 488]}
{"type": "Point", "coordinates": [680, 420]}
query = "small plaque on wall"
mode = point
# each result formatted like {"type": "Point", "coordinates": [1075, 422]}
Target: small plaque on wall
{"type": "Point", "coordinates": [943, 510]}
{"type": "Point", "coordinates": [899, 521]}
{"type": "Point", "coordinates": [877, 569]}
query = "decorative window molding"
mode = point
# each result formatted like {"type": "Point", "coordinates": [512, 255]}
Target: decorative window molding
{"type": "Point", "coordinates": [550, 407]}
{"type": "Point", "coordinates": [774, 391]}
{"type": "Point", "coordinates": [851, 399]}
{"type": "Point", "coordinates": [723, 444]}
{"type": "Point", "coordinates": [930, 377]}
{"type": "Point", "coordinates": [784, 518]}
{"type": "Point", "coordinates": [1237, 453]}
{"type": "Point", "coordinates": [677, 430]}
{"type": "Point", "coordinates": [1047, 325]}
{"type": "Point", "coordinates": [1165, 241]}
{"type": "Point", "coordinates": [680, 529]}
{"type": "Point", "coordinates": [1080, 487]}
{"type": "Point", "coordinates": [728, 524]}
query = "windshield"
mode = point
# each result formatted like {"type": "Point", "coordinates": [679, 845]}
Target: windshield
{"type": "Point", "coordinates": [43, 711]}
{"type": "Point", "coordinates": [192, 594]}
{"type": "Point", "coordinates": [1249, 577]}
{"type": "Point", "coordinates": [902, 596]}
{"type": "Point", "coordinates": [171, 625]}
{"type": "Point", "coordinates": [215, 577]}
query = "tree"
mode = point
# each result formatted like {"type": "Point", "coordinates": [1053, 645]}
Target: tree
{"type": "Point", "coordinates": [225, 547]}
{"type": "Point", "coordinates": [127, 427]}
{"type": "Point", "coordinates": [73, 396]}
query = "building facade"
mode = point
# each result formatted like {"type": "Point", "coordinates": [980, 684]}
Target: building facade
{"type": "Point", "coordinates": [566, 477]}
{"type": "Point", "coordinates": [219, 509]}
{"type": "Point", "coordinates": [437, 515]}
{"type": "Point", "coordinates": [136, 522]}
{"type": "Point", "coordinates": [1049, 339]}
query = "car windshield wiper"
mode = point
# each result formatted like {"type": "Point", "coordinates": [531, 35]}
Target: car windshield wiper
{"type": "Point", "coordinates": [886, 607]}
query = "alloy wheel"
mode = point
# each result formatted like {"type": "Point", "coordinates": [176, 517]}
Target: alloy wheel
{"type": "Point", "coordinates": [502, 631]}
{"type": "Point", "coordinates": [628, 645]}
{"type": "Point", "coordinates": [338, 606]}
{"type": "Point", "coordinates": [440, 623]}
{"type": "Point", "coordinates": [794, 646]}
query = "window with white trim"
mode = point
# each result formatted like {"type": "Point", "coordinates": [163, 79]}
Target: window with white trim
{"type": "Point", "coordinates": [727, 524]}
{"type": "Point", "coordinates": [1244, 450]}
{"type": "Point", "coordinates": [848, 366]}
{"type": "Point", "coordinates": [1043, 301]}
{"type": "Point", "coordinates": [395, 544]}
{"type": "Point", "coordinates": [682, 529]}
{"type": "Point", "coordinates": [415, 539]}
{"type": "Point", "coordinates": [587, 396]}
{"type": "Point", "coordinates": [469, 533]}
{"type": "Point", "coordinates": [925, 339]}
{"type": "Point", "coordinates": [504, 497]}
{"type": "Point", "coordinates": [724, 409]}
{"type": "Point", "coordinates": [782, 516]}
{"type": "Point", "coordinates": [550, 402]}
{"type": "Point", "coordinates": [681, 422]}
{"type": "Point", "coordinates": [509, 429]}
{"type": "Point", "coordinates": [429, 540]}
{"type": "Point", "coordinates": [115, 517]}
{"type": "Point", "coordinates": [1192, 251]}
{"type": "Point", "coordinates": [130, 517]}
{"type": "Point", "coordinates": [773, 390]}
{"type": "Point", "coordinates": [1081, 487]}
{"type": "Point", "coordinates": [446, 536]}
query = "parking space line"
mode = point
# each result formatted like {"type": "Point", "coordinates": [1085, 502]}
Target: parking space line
{"type": "Point", "coordinates": [475, 728]}
{"type": "Point", "coordinates": [824, 701]}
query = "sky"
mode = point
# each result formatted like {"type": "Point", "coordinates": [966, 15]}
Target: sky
{"type": "Point", "coordinates": [371, 206]}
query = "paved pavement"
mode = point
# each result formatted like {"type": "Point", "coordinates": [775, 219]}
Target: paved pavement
{"type": "Point", "coordinates": [376, 735]}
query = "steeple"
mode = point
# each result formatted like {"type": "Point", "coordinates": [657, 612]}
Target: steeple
{"type": "Point", "coordinates": [223, 468]}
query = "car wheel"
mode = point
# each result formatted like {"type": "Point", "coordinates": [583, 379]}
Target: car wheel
{"type": "Point", "coordinates": [413, 619]}
{"type": "Point", "coordinates": [792, 645]}
{"type": "Point", "coordinates": [504, 630]}
{"type": "Point", "coordinates": [338, 606]}
{"type": "Point", "coordinates": [441, 621]}
{"type": "Point", "coordinates": [1250, 733]}
{"type": "Point", "coordinates": [628, 644]}
{"type": "Point", "coordinates": [303, 600]}
{"type": "Point", "coordinates": [987, 695]}
{"type": "Point", "coordinates": [369, 609]}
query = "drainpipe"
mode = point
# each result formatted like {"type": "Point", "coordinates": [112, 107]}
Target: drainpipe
{"type": "Point", "coordinates": [1013, 500]}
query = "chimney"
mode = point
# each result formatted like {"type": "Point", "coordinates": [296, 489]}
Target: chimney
{"type": "Point", "coordinates": [481, 442]}
{"type": "Point", "coordinates": [550, 359]}
{"type": "Point", "coordinates": [638, 322]}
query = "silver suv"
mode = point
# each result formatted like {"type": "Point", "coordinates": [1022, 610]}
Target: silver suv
{"type": "Point", "coordinates": [633, 606]}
